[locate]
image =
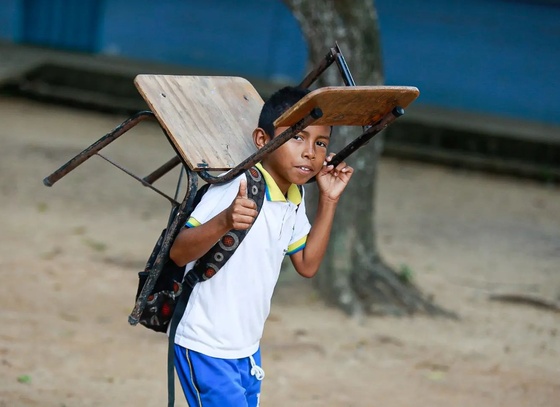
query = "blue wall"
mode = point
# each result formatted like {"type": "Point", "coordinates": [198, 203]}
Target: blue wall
{"type": "Point", "coordinates": [494, 56]}
{"type": "Point", "coordinates": [10, 19]}
{"type": "Point", "coordinates": [501, 57]}
{"type": "Point", "coordinates": [243, 37]}
{"type": "Point", "coordinates": [64, 24]}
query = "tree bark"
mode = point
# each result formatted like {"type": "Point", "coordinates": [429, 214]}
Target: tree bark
{"type": "Point", "coordinates": [353, 275]}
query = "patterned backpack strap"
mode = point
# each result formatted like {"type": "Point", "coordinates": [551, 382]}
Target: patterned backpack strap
{"type": "Point", "coordinates": [209, 264]}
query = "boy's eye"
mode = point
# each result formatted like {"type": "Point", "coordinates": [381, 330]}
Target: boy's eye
{"type": "Point", "coordinates": [322, 144]}
{"type": "Point", "coordinates": [298, 137]}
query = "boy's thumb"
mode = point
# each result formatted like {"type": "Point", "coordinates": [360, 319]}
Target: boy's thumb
{"type": "Point", "coordinates": [242, 189]}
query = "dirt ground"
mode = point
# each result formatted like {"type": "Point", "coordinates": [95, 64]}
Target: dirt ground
{"type": "Point", "coordinates": [69, 256]}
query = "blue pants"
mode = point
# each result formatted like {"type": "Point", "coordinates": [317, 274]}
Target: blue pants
{"type": "Point", "coordinates": [209, 382]}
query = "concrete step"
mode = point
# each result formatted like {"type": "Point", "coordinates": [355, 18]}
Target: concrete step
{"type": "Point", "coordinates": [476, 141]}
{"type": "Point", "coordinates": [100, 81]}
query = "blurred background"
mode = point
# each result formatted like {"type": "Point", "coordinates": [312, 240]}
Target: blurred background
{"type": "Point", "coordinates": [487, 69]}
{"type": "Point", "coordinates": [467, 203]}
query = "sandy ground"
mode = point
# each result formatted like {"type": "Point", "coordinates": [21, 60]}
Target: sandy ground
{"type": "Point", "coordinates": [69, 256]}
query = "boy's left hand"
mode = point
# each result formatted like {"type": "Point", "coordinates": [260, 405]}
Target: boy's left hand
{"type": "Point", "coordinates": [332, 181]}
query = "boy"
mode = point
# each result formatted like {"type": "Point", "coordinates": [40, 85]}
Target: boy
{"type": "Point", "coordinates": [217, 354]}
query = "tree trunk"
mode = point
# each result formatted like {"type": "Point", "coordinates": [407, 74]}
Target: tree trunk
{"type": "Point", "coordinates": [353, 275]}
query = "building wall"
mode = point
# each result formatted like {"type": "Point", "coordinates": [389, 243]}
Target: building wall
{"type": "Point", "coordinates": [501, 57]}
{"type": "Point", "coordinates": [64, 24]}
{"type": "Point", "coordinates": [251, 37]}
{"type": "Point", "coordinates": [494, 56]}
{"type": "Point", "coordinates": [10, 19]}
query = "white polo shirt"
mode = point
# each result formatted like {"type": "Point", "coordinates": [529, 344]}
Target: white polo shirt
{"type": "Point", "coordinates": [225, 315]}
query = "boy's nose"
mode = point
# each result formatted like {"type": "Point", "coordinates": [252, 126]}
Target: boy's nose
{"type": "Point", "coordinates": [309, 152]}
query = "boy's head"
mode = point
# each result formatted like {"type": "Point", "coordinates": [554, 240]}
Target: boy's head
{"type": "Point", "coordinates": [300, 158]}
{"type": "Point", "coordinates": [277, 104]}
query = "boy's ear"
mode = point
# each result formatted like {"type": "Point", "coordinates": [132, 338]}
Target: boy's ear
{"type": "Point", "coordinates": [260, 138]}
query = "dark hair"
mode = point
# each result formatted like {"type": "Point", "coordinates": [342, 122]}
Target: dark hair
{"type": "Point", "coordinates": [277, 104]}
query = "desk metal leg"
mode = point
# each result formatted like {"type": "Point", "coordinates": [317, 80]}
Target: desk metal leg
{"type": "Point", "coordinates": [160, 255]}
{"type": "Point", "coordinates": [367, 135]}
{"type": "Point", "coordinates": [97, 146]}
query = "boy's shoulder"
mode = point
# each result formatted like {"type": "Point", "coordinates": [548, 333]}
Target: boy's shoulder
{"type": "Point", "coordinates": [214, 198]}
{"type": "Point", "coordinates": [220, 191]}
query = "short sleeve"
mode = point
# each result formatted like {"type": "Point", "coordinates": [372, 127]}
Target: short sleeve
{"type": "Point", "coordinates": [301, 229]}
{"type": "Point", "coordinates": [215, 200]}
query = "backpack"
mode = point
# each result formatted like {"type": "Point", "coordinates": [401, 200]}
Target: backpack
{"type": "Point", "coordinates": [172, 284]}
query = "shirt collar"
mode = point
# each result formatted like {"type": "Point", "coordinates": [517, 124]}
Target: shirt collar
{"type": "Point", "coordinates": [274, 194]}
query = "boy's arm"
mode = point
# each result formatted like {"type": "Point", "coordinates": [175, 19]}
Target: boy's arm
{"type": "Point", "coordinates": [331, 182]}
{"type": "Point", "coordinates": [192, 243]}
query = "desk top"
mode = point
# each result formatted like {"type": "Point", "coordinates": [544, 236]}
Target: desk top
{"type": "Point", "coordinates": [350, 105]}
{"type": "Point", "coordinates": [210, 119]}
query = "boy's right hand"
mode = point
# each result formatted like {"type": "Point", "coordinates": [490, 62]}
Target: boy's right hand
{"type": "Point", "coordinates": [242, 212]}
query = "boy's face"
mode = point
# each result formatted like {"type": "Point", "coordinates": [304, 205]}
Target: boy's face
{"type": "Point", "coordinates": [300, 158]}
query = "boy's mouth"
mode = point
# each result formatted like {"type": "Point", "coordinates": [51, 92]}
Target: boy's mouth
{"type": "Point", "coordinates": [305, 169]}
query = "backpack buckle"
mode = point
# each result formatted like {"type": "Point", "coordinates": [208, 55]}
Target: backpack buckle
{"type": "Point", "coordinates": [191, 279]}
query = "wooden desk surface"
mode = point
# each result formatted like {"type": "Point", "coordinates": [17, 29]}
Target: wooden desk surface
{"type": "Point", "coordinates": [210, 119]}
{"type": "Point", "coordinates": [350, 105]}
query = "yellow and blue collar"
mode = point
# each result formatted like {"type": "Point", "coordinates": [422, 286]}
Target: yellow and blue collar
{"type": "Point", "coordinates": [273, 193]}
